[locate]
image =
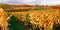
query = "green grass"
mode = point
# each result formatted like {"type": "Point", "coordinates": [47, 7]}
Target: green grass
{"type": "Point", "coordinates": [39, 8]}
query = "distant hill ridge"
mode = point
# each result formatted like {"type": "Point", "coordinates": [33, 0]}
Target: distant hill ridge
{"type": "Point", "coordinates": [27, 7]}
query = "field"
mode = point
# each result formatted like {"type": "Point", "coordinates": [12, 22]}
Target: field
{"type": "Point", "coordinates": [30, 17]}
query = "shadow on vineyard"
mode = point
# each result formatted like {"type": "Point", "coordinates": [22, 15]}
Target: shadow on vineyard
{"type": "Point", "coordinates": [14, 24]}
{"type": "Point", "coordinates": [56, 27]}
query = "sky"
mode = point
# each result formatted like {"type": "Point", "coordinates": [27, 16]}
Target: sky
{"type": "Point", "coordinates": [39, 2]}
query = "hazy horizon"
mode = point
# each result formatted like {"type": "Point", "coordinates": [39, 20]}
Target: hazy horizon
{"type": "Point", "coordinates": [38, 2]}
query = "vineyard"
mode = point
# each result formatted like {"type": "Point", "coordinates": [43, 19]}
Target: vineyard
{"type": "Point", "coordinates": [30, 18]}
